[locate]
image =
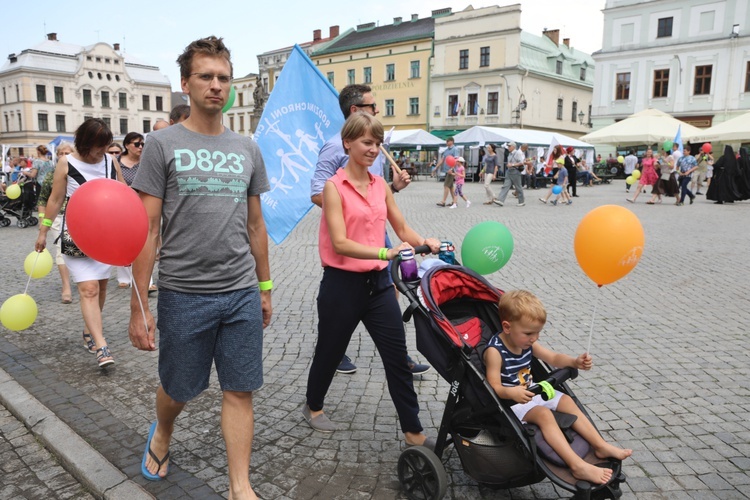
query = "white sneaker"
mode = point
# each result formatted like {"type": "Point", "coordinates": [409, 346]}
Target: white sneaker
{"type": "Point", "coordinates": [522, 204]}
{"type": "Point", "coordinates": [453, 206]}
{"type": "Point", "coordinates": [468, 204]}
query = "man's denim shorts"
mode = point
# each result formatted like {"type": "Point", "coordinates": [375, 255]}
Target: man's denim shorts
{"type": "Point", "coordinates": [196, 329]}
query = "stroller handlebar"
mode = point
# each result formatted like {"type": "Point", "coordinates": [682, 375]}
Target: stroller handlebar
{"type": "Point", "coordinates": [395, 271]}
{"type": "Point", "coordinates": [546, 388]}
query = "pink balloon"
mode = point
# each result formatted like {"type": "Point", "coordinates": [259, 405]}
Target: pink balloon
{"type": "Point", "coordinates": [107, 221]}
{"type": "Point", "coordinates": [451, 161]}
{"type": "Point", "coordinates": [706, 148]}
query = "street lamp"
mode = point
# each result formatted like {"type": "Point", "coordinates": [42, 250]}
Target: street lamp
{"type": "Point", "coordinates": [581, 116]}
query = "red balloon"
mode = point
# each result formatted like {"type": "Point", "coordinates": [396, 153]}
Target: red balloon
{"type": "Point", "coordinates": [108, 221]}
{"type": "Point", "coordinates": [706, 148]}
{"type": "Point", "coordinates": [451, 161]}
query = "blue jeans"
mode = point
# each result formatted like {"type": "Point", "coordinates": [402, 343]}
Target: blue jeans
{"type": "Point", "coordinates": [685, 188]}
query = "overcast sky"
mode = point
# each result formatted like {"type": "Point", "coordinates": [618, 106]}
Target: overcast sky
{"type": "Point", "coordinates": [157, 31]}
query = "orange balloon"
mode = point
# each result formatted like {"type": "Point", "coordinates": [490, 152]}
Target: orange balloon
{"type": "Point", "coordinates": [608, 243]}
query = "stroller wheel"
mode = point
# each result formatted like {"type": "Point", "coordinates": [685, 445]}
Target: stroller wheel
{"type": "Point", "coordinates": [33, 221]}
{"type": "Point", "coordinates": [22, 223]}
{"type": "Point", "coordinates": [4, 222]}
{"type": "Point", "coordinates": [421, 474]}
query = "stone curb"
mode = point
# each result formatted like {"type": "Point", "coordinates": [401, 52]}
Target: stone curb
{"type": "Point", "coordinates": [80, 459]}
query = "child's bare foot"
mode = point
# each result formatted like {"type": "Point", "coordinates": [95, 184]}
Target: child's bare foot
{"type": "Point", "coordinates": [611, 451]}
{"type": "Point", "coordinates": [592, 473]}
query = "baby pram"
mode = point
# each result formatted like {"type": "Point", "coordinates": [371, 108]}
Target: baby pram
{"type": "Point", "coordinates": [455, 315]}
{"type": "Point", "coordinates": [17, 208]}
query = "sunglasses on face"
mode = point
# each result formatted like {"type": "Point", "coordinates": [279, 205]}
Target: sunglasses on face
{"type": "Point", "coordinates": [138, 144]}
{"type": "Point", "coordinates": [114, 152]}
{"type": "Point", "coordinates": [372, 106]}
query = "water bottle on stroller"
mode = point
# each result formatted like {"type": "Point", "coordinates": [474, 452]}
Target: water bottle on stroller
{"type": "Point", "coordinates": [408, 266]}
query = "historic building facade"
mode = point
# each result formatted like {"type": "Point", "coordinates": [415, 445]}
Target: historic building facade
{"type": "Point", "coordinates": [394, 60]}
{"type": "Point", "coordinates": [487, 71]}
{"type": "Point", "coordinates": [240, 117]}
{"type": "Point", "coordinates": [688, 58]}
{"type": "Point", "coordinates": [51, 88]}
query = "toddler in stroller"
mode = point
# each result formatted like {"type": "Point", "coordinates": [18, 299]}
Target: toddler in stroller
{"type": "Point", "coordinates": [456, 315]}
{"type": "Point", "coordinates": [17, 208]}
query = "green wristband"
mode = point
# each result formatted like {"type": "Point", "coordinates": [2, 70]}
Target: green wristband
{"type": "Point", "coordinates": [265, 285]}
{"type": "Point", "coordinates": [549, 391]}
{"type": "Point", "coordinates": [383, 254]}
{"type": "Point", "coordinates": [47, 222]}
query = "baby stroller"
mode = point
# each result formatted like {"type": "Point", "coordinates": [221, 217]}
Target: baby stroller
{"type": "Point", "coordinates": [16, 208]}
{"type": "Point", "coordinates": [455, 315]}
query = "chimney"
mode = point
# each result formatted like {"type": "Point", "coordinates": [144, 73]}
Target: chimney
{"type": "Point", "coordinates": [397, 21]}
{"type": "Point", "coordinates": [333, 31]}
{"type": "Point", "coordinates": [553, 35]}
{"type": "Point", "coordinates": [414, 17]}
{"type": "Point", "coordinates": [566, 41]}
{"type": "Point", "coordinates": [316, 35]}
{"type": "Point", "coordinates": [116, 46]}
{"type": "Point", "coordinates": [12, 57]}
{"type": "Point", "coordinates": [52, 36]}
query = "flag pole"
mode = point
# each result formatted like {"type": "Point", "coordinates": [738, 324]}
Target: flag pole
{"type": "Point", "coordinates": [390, 158]}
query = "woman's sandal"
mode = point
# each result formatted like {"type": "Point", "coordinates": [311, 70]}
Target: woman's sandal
{"type": "Point", "coordinates": [88, 343]}
{"type": "Point", "coordinates": [105, 358]}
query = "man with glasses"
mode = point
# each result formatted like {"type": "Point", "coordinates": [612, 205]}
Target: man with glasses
{"type": "Point", "coordinates": [214, 295]}
{"type": "Point", "coordinates": [332, 157]}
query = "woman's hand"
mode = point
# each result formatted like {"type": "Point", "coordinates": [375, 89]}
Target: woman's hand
{"type": "Point", "coordinates": [41, 241]}
{"type": "Point", "coordinates": [393, 252]}
{"type": "Point", "coordinates": [433, 243]}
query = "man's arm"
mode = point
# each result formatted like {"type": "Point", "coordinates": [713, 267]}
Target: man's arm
{"type": "Point", "coordinates": [331, 157]}
{"type": "Point", "coordinates": [256, 230]}
{"type": "Point", "coordinates": [141, 330]}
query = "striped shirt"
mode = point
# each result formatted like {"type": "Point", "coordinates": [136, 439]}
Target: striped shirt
{"type": "Point", "coordinates": [516, 369]}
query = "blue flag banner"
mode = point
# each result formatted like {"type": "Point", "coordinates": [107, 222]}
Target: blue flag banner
{"type": "Point", "coordinates": [301, 114]}
{"type": "Point", "coordinates": [678, 138]}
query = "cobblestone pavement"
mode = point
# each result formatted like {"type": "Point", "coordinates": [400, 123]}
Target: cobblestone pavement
{"type": "Point", "coordinates": [669, 348]}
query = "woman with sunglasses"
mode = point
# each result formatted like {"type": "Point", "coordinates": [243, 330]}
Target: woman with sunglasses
{"type": "Point", "coordinates": [130, 160]}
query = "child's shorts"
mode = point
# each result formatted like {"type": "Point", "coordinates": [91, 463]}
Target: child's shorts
{"type": "Point", "coordinates": [459, 189]}
{"type": "Point", "coordinates": [522, 409]}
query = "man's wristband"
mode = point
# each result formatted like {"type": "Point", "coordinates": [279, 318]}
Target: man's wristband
{"type": "Point", "coordinates": [40, 215]}
{"type": "Point", "coordinates": [265, 285]}
{"type": "Point", "coordinates": [393, 189]}
{"type": "Point", "coordinates": [47, 222]}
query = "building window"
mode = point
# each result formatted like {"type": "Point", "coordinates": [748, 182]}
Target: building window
{"type": "Point", "coordinates": [484, 56]}
{"type": "Point", "coordinates": [59, 95]}
{"type": "Point", "coordinates": [622, 87]}
{"type": "Point", "coordinates": [473, 105]}
{"type": "Point", "coordinates": [390, 72]}
{"type": "Point", "coordinates": [18, 93]}
{"type": "Point", "coordinates": [452, 105]}
{"type": "Point", "coordinates": [123, 100]}
{"type": "Point", "coordinates": [105, 99]}
{"type": "Point", "coordinates": [7, 123]}
{"type": "Point", "coordinates": [60, 123]}
{"type": "Point", "coordinates": [146, 126]}
{"type": "Point", "coordinates": [367, 74]}
{"type": "Point", "coordinates": [5, 97]}
{"type": "Point", "coordinates": [43, 124]}
{"type": "Point", "coordinates": [107, 121]}
{"type": "Point", "coordinates": [583, 74]}
{"type": "Point", "coordinates": [492, 103]}
{"type": "Point", "coordinates": [329, 75]}
{"type": "Point", "coordinates": [574, 112]}
{"type": "Point", "coordinates": [414, 73]}
{"type": "Point", "coordinates": [123, 126]}
{"type": "Point", "coordinates": [41, 93]}
{"type": "Point", "coordinates": [241, 99]}
{"type": "Point", "coordinates": [661, 83]}
{"type": "Point", "coordinates": [414, 105]}
{"type": "Point", "coordinates": [559, 109]}
{"type": "Point", "coordinates": [160, 103]}
{"type": "Point", "coordinates": [747, 79]}
{"type": "Point", "coordinates": [389, 108]}
{"type": "Point", "coordinates": [242, 123]}
{"type": "Point", "coordinates": [702, 80]}
{"type": "Point", "coordinates": [231, 123]}
{"type": "Point", "coordinates": [664, 28]}
{"type": "Point", "coordinates": [463, 59]}
{"type": "Point", "coordinates": [20, 123]}
{"type": "Point", "coordinates": [87, 97]}
{"type": "Point", "coordinates": [146, 103]}
{"type": "Point", "coordinates": [350, 77]}
{"type": "Point", "coordinates": [558, 67]}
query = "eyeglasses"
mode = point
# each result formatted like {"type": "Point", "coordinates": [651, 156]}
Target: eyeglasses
{"type": "Point", "coordinates": [209, 77]}
{"type": "Point", "coordinates": [373, 106]}
{"type": "Point", "coordinates": [115, 152]}
{"type": "Point", "coordinates": [137, 144]}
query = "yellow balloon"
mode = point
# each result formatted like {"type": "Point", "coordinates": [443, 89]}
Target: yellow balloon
{"type": "Point", "coordinates": [608, 243]}
{"type": "Point", "coordinates": [560, 160]}
{"type": "Point", "coordinates": [43, 264]}
{"type": "Point", "coordinates": [620, 159]}
{"type": "Point", "coordinates": [13, 191]}
{"type": "Point", "coordinates": [18, 312]}
{"type": "Point", "coordinates": [636, 174]}
{"type": "Point", "coordinates": [630, 180]}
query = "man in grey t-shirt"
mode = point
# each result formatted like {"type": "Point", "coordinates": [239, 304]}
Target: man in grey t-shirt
{"type": "Point", "coordinates": [204, 182]}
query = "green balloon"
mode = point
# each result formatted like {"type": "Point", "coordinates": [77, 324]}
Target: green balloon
{"type": "Point", "coordinates": [667, 146]}
{"type": "Point", "coordinates": [230, 101]}
{"type": "Point", "coordinates": [487, 247]}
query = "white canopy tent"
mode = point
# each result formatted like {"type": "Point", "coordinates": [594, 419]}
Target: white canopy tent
{"type": "Point", "coordinates": [736, 129]}
{"type": "Point", "coordinates": [482, 135]}
{"type": "Point", "coordinates": [650, 126]}
{"type": "Point", "coordinates": [411, 138]}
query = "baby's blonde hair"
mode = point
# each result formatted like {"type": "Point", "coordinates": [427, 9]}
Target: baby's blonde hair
{"type": "Point", "coordinates": [517, 304]}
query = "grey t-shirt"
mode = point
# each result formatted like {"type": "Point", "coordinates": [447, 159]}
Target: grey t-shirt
{"type": "Point", "coordinates": [204, 182]}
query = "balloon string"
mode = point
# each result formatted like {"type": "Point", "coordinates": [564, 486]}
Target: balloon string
{"type": "Point", "coordinates": [591, 332]}
{"type": "Point", "coordinates": [138, 294]}
{"type": "Point", "coordinates": [31, 273]}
